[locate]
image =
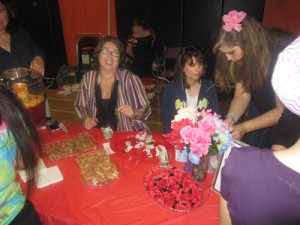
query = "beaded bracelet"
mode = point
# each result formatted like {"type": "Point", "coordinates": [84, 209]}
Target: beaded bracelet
{"type": "Point", "coordinates": [232, 116]}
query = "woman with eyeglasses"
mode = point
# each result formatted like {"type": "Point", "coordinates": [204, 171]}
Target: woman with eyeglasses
{"type": "Point", "coordinates": [19, 149]}
{"type": "Point", "coordinates": [245, 56]}
{"type": "Point", "coordinates": [17, 49]}
{"type": "Point", "coordinates": [110, 95]}
{"type": "Point", "coordinates": [188, 88]}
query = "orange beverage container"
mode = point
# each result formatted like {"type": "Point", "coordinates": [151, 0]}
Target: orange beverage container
{"type": "Point", "coordinates": [28, 85]}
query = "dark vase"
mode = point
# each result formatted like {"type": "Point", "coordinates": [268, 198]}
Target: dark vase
{"type": "Point", "coordinates": [199, 171]}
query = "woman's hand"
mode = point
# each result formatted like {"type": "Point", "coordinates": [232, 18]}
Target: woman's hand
{"type": "Point", "coordinates": [38, 64]}
{"type": "Point", "coordinates": [230, 121]}
{"type": "Point", "coordinates": [89, 122]}
{"type": "Point", "coordinates": [239, 131]}
{"type": "Point", "coordinates": [127, 111]}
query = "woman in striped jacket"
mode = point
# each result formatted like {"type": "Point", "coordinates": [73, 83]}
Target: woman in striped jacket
{"type": "Point", "coordinates": [110, 95]}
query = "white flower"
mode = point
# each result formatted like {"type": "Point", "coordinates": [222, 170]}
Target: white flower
{"type": "Point", "coordinates": [190, 113]}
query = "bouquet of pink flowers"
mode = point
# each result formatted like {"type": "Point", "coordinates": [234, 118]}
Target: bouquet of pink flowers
{"type": "Point", "coordinates": [201, 132]}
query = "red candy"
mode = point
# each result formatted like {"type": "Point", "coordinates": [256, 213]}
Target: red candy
{"type": "Point", "coordinates": [172, 188]}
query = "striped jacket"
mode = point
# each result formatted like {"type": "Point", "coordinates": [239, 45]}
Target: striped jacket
{"type": "Point", "coordinates": [130, 91]}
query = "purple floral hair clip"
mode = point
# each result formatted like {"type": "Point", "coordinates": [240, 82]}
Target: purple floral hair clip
{"type": "Point", "coordinates": [233, 20]}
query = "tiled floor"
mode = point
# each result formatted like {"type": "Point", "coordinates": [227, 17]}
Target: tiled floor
{"type": "Point", "coordinates": [62, 109]}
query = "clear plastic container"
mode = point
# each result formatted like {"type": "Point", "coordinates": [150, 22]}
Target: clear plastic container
{"type": "Point", "coordinates": [28, 85]}
{"type": "Point", "coordinates": [97, 168]}
{"type": "Point", "coordinates": [172, 188]}
{"type": "Point", "coordinates": [71, 146]}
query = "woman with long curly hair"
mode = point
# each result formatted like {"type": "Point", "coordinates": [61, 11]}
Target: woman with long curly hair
{"type": "Point", "coordinates": [262, 187]}
{"type": "Point", "coordinates": [245, 56]}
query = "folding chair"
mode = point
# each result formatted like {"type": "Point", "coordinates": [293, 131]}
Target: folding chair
{"type": "Point", "coordinates": [169, 57]}
{"type": "Point", "coordinates": [163, 67]}
{"type": "Point", "coordinates": [85, 46]}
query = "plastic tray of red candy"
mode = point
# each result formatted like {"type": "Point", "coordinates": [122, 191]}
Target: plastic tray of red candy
{"type": "Point", "coordinates": [174, 189]}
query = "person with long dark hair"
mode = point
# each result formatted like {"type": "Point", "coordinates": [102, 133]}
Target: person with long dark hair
{"type": "Point", "coordinates": [19, 149]}
{"type": "Point", "coordinates": [188, 88]}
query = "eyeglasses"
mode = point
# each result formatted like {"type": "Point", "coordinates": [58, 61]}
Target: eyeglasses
{"type": "Point", "coordinates": [105, 51]}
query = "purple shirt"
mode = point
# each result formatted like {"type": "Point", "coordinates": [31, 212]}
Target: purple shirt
{"type": "Point", "coordinates": [260, 189]}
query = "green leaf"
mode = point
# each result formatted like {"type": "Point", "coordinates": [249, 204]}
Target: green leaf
{"type": "Point", "coordinates": [213, 150]}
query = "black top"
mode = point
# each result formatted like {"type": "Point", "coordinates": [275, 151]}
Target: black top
{"type": "Point", "coordinates": [142, 49]}
{"type": "Point", "coordinates": [288, 129]}
{"type": "Point", "coordinates": [23, 50]}
{"type": "Point", "coordinates": [106, 107]}
{"type": "Point", "coordinates": [264, 100]}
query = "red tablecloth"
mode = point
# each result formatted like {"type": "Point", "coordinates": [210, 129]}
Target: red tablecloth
{"type": "Point", "coordinates": [124, 202]}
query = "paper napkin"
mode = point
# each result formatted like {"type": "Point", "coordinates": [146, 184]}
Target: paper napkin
{"type": "Point", "coordinates": [52, 175]}
{"type": "Point", "coordinates": [108, 149]}
{"type": "Point", "coordinates": [45, 176]}
{"type": "Point", "coordinates": [41, 168]}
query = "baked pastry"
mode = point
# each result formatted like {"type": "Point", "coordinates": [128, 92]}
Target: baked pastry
{"type": "Point", "coordinates": [59, 150]}
{"type": "Point", "coordinates": [68, 147]}
{"type": "Point", "coordinates": [83, 142]}
{"type": "Point", "coordinates": [96, 168]}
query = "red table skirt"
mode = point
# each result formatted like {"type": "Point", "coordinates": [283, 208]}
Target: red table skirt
{"type": "Point", "coordinates": [123, 202]}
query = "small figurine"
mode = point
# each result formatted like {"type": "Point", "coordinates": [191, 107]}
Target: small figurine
{"type": "Point", "coordinates": [162, 154]}
{"type": "Point", "coordinates": [128, 146]}
{"type": "Point", "coordinates": [148, 151]}
{"type": "Point", "coordinates": [141, 136]}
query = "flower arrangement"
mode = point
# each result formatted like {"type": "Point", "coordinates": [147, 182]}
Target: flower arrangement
{"type": "Point", "coordinates": [233, 20]}
{"type": "Point", "coordinates": [200, 132]}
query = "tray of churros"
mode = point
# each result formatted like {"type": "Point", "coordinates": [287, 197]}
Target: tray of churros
{"type": "Point", "coordinates": [68, 147]}
{"type": "Point", "coordinates": [97, 168]}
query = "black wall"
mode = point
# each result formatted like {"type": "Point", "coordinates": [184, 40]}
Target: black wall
{"type": "Point", "coordinates": [41, 18]}
{"type": "Point", "coordinates": [180, 23]}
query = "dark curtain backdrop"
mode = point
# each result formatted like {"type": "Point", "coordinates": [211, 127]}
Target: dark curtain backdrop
{"type": "Point", "coordinates": [180, 23]}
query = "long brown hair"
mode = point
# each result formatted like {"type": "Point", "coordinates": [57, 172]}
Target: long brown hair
{"type": "Point", "coordinates": [255, 41]}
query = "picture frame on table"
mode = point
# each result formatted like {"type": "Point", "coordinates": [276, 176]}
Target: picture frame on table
{"type": "Point", "coordinates": [216, 185]}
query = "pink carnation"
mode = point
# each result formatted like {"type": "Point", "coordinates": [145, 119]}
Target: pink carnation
{"type": "Point", "coordinates": [200, 149]}
{"type": "Point", "coordinates": [187, 134]}
{"type": "Point", "coordinates": [200, 136]}
{"type": "Point", "coordinates": [207, 125]}
{"type": "Point", "coordinates": [199, 131]}
{"type": "Point", "coordinates": [233, 20]}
